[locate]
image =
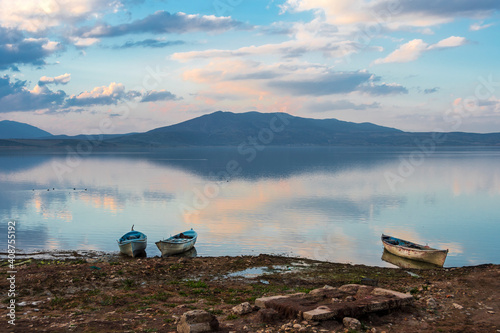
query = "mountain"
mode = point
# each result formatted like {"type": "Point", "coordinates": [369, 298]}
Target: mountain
{"type": "Point", "coordinates": [15, 130]}
{"type": "Point", "coordinates": [247, 131]}
{"type": "Point", "coordinates": [227, 128]}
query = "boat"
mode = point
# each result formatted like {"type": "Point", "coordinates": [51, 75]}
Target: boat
{"type": "Point", "coordinates": [405, 263]}
{"type": "Point", "coordinates": [414, 251]}
{"type": "Point", "coordinates": [179, 243]}
{"type": "Point", "coordinates": [133, 243]}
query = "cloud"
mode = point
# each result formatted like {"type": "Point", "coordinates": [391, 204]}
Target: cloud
{"type": "Point", "coordinates": [337, 83]}
{"type": "Point", "coordinates": [162, 95]}
{"type": "Point", "coordinates": [162, 22]}
{"type": "Point", "coordinates": [61, 79]}
{"type": "Point", "coordinates": [341, 105]}
{"type": "Point", "coordinates": [233, 79]}
{"type": "Point", "coordinates": [393, 14]}
{"type": "Point", "coordinates": [104, 95]}
{"type": "Point", "coordinates": [83, 42]}
{"type": "Point", "coordinates": [153, 43]}
{"type": "Point", "coordinates": [479, 26]}
{"type": "Point", "coordinates": [327, 84]}
{"type": "Point", "coordinates": [383, 89]}
{"type": "Point", "coordinates": [15, 49]}
{"type": "Point", "coordinates": [7, 87]}
{"type": "Point", "coordinates": [414, 49]}
{"type": "Point", "coordinates": [431, 90]}
{"type": "Point", "coordinates": [452, 41]}
{"type": "Point", "coordinates": [37, 16]}
{"type": "Point", "coordinates": [287, 49]}
{"type": "Point", "coordinates": [15, 96]}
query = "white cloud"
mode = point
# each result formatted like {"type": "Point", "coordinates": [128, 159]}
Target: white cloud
{"type": "Point", "coordinates": [414, 49]}
{"type": "Point", "coordinates": [104, 95]}
{"type": "Point", "coordinates": [407, 52]}
{"type": "Point", "coordinates": [39, 15]}
{"type": "Point", "coordinates": [452, 41]}
{"type": "Point", "coordinates": [84, 42]}
{"type": "Point", "coordinates": [479, 26]}
{"type": "Point", "coordinates": [61, 79]}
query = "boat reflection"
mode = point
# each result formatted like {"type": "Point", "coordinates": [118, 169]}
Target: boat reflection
{"type": "Point", "coordinates": [406, 263]}
{"type": "Point", "coordinates": [188, 254]}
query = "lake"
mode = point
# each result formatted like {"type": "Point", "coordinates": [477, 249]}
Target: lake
{"type": "Point", "coordinates": [325, 203]}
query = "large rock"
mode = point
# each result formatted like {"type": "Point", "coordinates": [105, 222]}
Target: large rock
{"type": "Point", "coordinates": [268, 316]}
{"type": "Point", "coordinates": [351, 323]}
{"type": "Point", "coordinates": [242, 309]}
{"type": "Point", "coordinates": [197, 321]}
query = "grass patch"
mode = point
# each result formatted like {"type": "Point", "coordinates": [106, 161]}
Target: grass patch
{"type": "Point", "coordinates": [195, 284]}
{"type": "Point", "coordinates": [231, 316]}
{"type": "Point", "coordinates": [128, 284]}
{"type": "Point", "coordinates": [93, 292]}
{"type": "Point", "coordinates": [215, 312]}
{"type": "Point", "coordinates": [57, 301]}
{"type": "Point", "coordinates": [175, 267]}
{"type": "Point", "coordinates": [161, 296]}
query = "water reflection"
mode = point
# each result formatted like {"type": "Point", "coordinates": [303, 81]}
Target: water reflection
{"type": "Point", "coordinates": [323, 203]}
{"type": "Point", "coordinates": [406, 263]}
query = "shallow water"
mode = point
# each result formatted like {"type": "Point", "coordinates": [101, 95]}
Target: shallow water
{"type": "Point", "coordinates": [321, 203]}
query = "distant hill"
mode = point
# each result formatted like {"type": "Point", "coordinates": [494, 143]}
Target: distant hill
{"type": "Point", "coordinates": [227, 128]}
{"type": "Point", "coordinates": [15, 130]}
{"type": "Point", "coordinates": [244, 130]}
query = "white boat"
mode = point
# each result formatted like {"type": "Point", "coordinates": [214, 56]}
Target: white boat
{"type": "Point", "coordinates": [414, 251]}
{"type": "Point", "coordinates": [133, 243]}
{"type": "Point", "coordinates": [179, 243]}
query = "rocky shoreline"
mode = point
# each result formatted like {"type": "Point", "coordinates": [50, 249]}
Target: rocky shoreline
{"type": "Point", "coordinates": [112, 293]}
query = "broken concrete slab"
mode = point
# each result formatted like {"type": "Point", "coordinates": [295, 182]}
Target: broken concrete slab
{"type": "Point", "coordinates": [261, 302]}
{"type": "Point", "coordinates": [325, 303]}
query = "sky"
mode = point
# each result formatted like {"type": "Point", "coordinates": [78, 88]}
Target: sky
{"type": "Point", "coordinates": [118, 66]}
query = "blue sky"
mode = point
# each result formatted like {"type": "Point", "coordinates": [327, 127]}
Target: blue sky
{"type": "Point", "coordinates": [91, 66]}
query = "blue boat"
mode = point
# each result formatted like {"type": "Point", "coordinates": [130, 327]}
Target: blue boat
{"type": "Point", "coordinates": [133, 243]}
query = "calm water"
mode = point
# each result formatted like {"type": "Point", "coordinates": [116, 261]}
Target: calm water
{"type": "Point", "coordinates": [322, 203]}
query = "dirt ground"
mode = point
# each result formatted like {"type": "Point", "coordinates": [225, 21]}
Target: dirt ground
{"type": "Point", "coordinates": [119, 294]}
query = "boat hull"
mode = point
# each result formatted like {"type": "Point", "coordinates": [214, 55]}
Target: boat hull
{"type": "Point", "coordinates": [175, 245]}
{"type": "Point", "coordinates": [422, 253]}
{"type": "Point", "coordinates": [133, 249]}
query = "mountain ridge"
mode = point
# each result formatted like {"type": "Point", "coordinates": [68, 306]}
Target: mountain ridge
{"type": "Point", "coordinates": [222, 128]}
{"type": "Point", "coordinates": [10, 129]}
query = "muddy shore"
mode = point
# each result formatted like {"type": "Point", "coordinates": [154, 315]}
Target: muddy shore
{"type": "Point", "coordinates": [112, 293]}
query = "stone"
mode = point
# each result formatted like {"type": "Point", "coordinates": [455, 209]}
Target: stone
{"type": "Point", "coordinates": [267, 315]}
{"type": "Point", "coordinates": [197, 321]}
{"type": "Point", "coordinates": [351, 323]}
{"type": "Point", "coordinates": [242, 309]}
{"type": "Point", "coordinates": [457, 306]}
{"type": "Point", "coordinates": [431, 303]}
